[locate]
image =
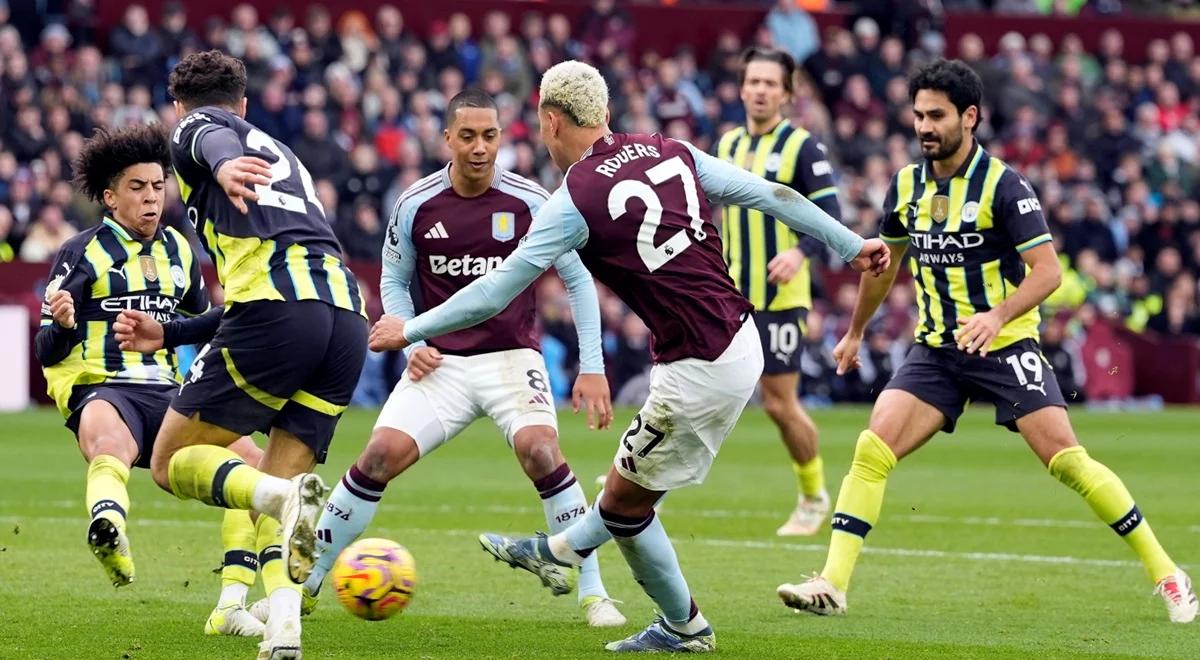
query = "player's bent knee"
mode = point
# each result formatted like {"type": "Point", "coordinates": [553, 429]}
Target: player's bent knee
{"type": "Point", "coordinates": [623, 497]}
{"type": "Point", "coordinates": [538, 451]}
{"type": "Point", "coordinates": [388, 453]}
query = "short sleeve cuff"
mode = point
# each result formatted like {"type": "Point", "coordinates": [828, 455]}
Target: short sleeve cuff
{"type": "Point", "coordinates": [1033, 242]}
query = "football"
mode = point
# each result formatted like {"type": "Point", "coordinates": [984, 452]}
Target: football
{"type": "Point", "coordinates": [374, 578]}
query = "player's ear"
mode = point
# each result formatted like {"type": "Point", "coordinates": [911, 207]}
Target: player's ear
{"type": "Point", "coordinates": [971, 117]}
{"type": "Point", "coordinates": [180, 111]}
{"type": "Point", "coordinates": [242, 111]}
{"type": "Point", "coordinates": [110, 198]}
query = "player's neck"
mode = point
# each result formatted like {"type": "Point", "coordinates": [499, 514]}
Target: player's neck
{"type": "Point", "coordinates": [945, 168]}
{"type": "Point", "coordinates": [465, 187]}
{"type": "Point", "coordinates": [578, 145]}
{"type": "Point", "coordinates": [757, 127]}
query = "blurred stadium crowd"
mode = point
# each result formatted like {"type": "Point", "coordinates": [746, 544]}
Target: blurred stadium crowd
{"type": "Point", "coordinates": [1110, 139]}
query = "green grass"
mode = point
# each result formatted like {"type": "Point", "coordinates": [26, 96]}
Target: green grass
{"type": "Point", "coordinates": [1019, 568]}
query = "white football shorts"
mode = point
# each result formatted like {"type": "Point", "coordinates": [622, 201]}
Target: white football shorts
{"type": "Point", "coordinates": [510, 387]}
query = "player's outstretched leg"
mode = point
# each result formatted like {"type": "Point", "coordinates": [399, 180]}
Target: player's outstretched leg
{"type": "Point", "coordinates": [627, 511]}
{"type": "Point", "coordinates": [563, 502]}
{"type": "Point", "coordinates": [239, 540]}
{"type": "Point", "coordinates": [108, 504]}
{"type": "Point", "coordinates": [355, 498]}
{"type": "Point", "coordinates": [109, 446]}
{"type": "Point", "coordinates": [856, 512]}
{"type": "Point", "coordinates": [1048, 429]}
{"type": "Point", "coordinates": [217, 476]}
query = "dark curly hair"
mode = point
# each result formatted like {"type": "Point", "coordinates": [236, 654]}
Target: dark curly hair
{"type": "Point", "coordinates": [954, 78]}
{"type": "Point", "coordinates": [107, 154]}
{"type": "Point", "coordinates": [208, 78]}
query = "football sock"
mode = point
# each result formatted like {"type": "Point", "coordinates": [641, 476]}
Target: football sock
{"type": "Point", "coordinates": [575, 544]}
{"type": "Point", "coordinates": [564, 503]}
{"type": "Point", "coordinates": [106, 493]}
{"type": "Point", "coordinates": [346, 516]}
{"type": "Point", "coordinates": [283, 595]}
{"type": "Point", "coordinates": [857, 507]}
{"type": "Point", "coordinates": [239, 539]}
{"type": "Point", "coordinates": [1113, 504]}
{"type": "Point", "coordinates": [810, 477]}
{"type": "Point", "coordinates": [218, 477]}
{"type": "Point", "coordinates": [650, 556]}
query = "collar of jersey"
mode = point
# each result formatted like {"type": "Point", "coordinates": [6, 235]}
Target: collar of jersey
{"type": "Point", "coordinates": [965, 170]}
{"type": "Point", "coordinates": [497, 173]}
{"type": "Point", "coordinates": [774, 130]}
{"type": "Point", "coordinates": [124, 233]}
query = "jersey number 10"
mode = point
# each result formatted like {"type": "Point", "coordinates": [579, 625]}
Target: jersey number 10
{"type": "Point", "coordinates": [281, 170]}
{"type": "Point", "coordinates": [656, 256]}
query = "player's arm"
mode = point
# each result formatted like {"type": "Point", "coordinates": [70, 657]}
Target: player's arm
{"type": "Point", "coordinates": [137, 331]}
{"type": "Point", "coordinates": [66, 289]}
{"type": "Point", "coordinates": [732, 185]}
{"type": "Point", "coordinates": [873, 290]}
{"type": "Point", "coordinates": [557, 228]}
{"type": "Point", "coordinates": [591, 387]}
{"type": "Point", "coordinates": [1020, 214]}
{"type": "Point", "coordinates": [585, 308]}
{"type": "Point", "coordinates": [399, 263]}
{"type": "Point", "coordinates": [219, 149]}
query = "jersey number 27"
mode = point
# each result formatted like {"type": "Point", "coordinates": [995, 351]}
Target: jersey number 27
{"type": "Point", "coordinates": [656, 256]}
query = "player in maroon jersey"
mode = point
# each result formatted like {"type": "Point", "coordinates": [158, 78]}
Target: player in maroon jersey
{"type": "Point", "coordinates": [631, 206]}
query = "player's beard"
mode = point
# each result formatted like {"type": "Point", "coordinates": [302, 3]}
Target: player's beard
{"type": "Point", "coordinates": [945, 147]}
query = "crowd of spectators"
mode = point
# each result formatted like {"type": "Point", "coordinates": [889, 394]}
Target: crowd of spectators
{"type": "Point", "coordinates": [1110, 139]}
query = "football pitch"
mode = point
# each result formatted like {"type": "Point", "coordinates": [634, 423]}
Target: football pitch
{"type": "Point", "coordinates": [978, 553]}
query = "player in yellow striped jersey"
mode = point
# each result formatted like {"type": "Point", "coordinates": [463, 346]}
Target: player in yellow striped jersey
{"type": "Point", "coordinates": [767, 261]}
{"type": "Point", "coordinates": [285, 353]}
{"type": "Point", "coordinates": [982, 262]}
{"type": "Point", "coordinates": [114, 400]}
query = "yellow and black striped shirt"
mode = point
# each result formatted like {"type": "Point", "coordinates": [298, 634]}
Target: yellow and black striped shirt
{"type": "Point", "coordinates": [792, 156]}
{"type": "Point", "coordinates": [284, 248]}
{"type": "Point", "coordinates": [108, 270]}
{"type": "Point", "coordinates": [964, 238]}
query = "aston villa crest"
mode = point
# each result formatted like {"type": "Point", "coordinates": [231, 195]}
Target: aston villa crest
{"type": "Point", "coordinates": [504, 226]}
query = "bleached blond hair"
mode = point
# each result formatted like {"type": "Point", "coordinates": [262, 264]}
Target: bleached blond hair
{"type": "Point", "coordinates": [578, 90]}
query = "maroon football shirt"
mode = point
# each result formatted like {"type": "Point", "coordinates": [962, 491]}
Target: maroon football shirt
{"type": "Point", "coordinates": [458, 239]}
{"type": "Point", "coordinates": [652, 241]}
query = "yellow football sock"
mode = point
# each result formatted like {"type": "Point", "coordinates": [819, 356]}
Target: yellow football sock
{"type": "Point", "coordinates": [270, 556]}
{"type": "Point", "coordinates": [1111, 501]}
{"type": "Point", "coordinates": [214, 475]}
{"type": "Point", "coordinates": [240, 541]}
{"type": "Point", "coordinates": [857, 506]}
{"type": "Point", "coordinates": [106, 493]}
{"type": "Point", "coordinates": [810, 477]}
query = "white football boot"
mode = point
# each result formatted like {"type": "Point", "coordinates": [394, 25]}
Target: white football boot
{"type": "Point", "coordinates": [807, 518]}
{"type": "Point", "coordinates": [234, 620]}
{"type": "Point", "coordinates": [816, 595]}
{"type": "Point", "coordinates": [282, 643]}
{"type": "Point", "coordinates": [298, 525]}
{"type": "Point", "coordinates": [1177, 592]}
{"type": "Point", "coordinates": [602, 612]}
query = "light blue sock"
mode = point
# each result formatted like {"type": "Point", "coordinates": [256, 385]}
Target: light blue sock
{"type": "Point", "coordinates": [346, 516]}
{"type": "Point", "coordinates": [565, 504]}
{"type": "Point", "coordinates": [651, 557]}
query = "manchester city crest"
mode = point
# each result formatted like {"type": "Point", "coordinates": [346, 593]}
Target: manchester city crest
{"type": "Point", "coordinates": [504, 226]}
{"type": "Point", "coordinates": [970, 211]}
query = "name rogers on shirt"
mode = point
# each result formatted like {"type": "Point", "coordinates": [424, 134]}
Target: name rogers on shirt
{"type": "Point", "coordinates": [628, 153]}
